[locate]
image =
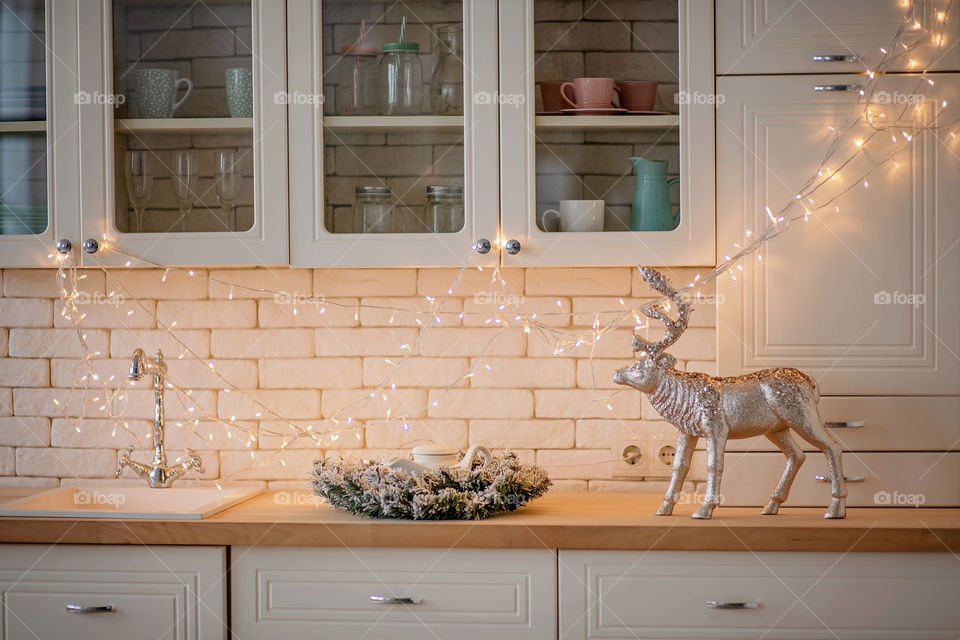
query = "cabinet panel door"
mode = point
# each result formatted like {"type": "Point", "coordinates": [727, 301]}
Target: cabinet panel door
{"type": "Point", "coordinates": [783, 36]}
{"type": "Point", "coordinates": [665, 594]}
{"type": "Point", "coordinates": [460, 593]}
{"type": "Point", "coordinates": [866, 299]}
{"type": "Point", "coordinates": [334, 155]}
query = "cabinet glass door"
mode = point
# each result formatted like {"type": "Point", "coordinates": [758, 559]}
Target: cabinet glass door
{"type": "Point", "coordinates": [397, 125]}
{"type": "Point", "coordinates": [195, 96]}
{"type": "Point", "coordinates": [610, 106]}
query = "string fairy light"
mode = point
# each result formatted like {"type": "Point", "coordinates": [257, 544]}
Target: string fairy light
{"type": "Point", "coordinates": [859, 138]}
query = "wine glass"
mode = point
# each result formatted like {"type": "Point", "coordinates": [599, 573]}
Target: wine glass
{"type": "Point", "coordinates": [227, 178]}
{"type": "Point", "coordinates": [183, 181]}
{"type": "Point", "coordinates": [138, 172]}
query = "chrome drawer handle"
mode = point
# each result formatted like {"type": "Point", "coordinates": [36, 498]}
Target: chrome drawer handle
{"type": "Point", "coordinates": [837, 58]}
{"type": "Point", "coordinates": [718, 604]}
{"type": "Point", "coordinates": [822, 478]}
{"type": "Point", "coordinates": [392, 600]}
{"type": "Point", "coordinates": [844, 424]}
{"type": "Point", "coordinates": [852, 88]}
{"type": "Point", "coordinates": [79, 608]}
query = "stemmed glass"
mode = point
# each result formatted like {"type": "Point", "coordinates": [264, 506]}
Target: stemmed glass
{"type": "Point", "coordinates": [183, 181]}
{"type": "Point", "coordinates": [227, 178]}
{"type": "Point", "coordinates": [138, 174]}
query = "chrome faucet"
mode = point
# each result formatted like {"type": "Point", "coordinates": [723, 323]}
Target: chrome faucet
{"type": "Point", "coordinates": [158, 474]}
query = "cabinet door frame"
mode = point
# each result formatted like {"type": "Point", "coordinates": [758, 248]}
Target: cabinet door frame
{"type": "Point", "coordinates": [692, 243]}
{"type": "Point", "coordinates": [265, 243]}
{"type": "Point", "coordinates": [312, 245]}
{"type": "Point", "coordinates": [62, 142]}
{"type": "Point", "coordinates": [922, 363]}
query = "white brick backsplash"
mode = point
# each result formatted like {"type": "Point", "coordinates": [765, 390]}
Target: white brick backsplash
{"type": "Point", "coordinates": [360, 404]}
{"type": "Point", "coordinates": [311, 373]}
{"type": "Point", "coordinates": [533, 434]}
{"type": "Point", "coordinates": [481, 403]}
{"type": "Point", "coordinates": [66, 463]}
{"type": "Point", "coordinates": [8, 461]}
{"type": "Point", "coordinates": [581, 403]}
{"type": "Point", "coordinates": [290, 281]}
{"type": "Point", "coordinates": [267, 465]}
{"type": "Point", "coordinates": [26, 312]}
{"type": "Point", "coordinates": [467, 342]}
{"type": "Point", "coordinates": [4, 339]}
{"type": "Point", "coordinates": [42, 283]}
{"type": "Point", "coordinates": [576, 463]}
{"type": "Point", "coordinates": [274, 433]}
{"type": "Point", "coordinates": [523, 373]}
{"type": "Point", "coordinates": [54, 343]}
{"type": "Point", "coordinates": [21, 431]}
{"type": "Point", "coordinates": [598, 373]}
{"type": "Point", "coordinates": [208, 314]}
{"type": "Point", "coordinates": [97, 433]}
{"type": "Point", "coordinates": [452, 433]}
{"type": "Point", "coordinates": [364, 341]}
{"type": "Point", "coordinates": [578, 281]}
{"type": "Point", "coordinates": [415, 372]}
{"type": "Point", "coordinates": [24, 372]}
{"type": "Point", "coordinates": [312, 311]}
{"type": "Point", "coordinates": [416, 312]}
{"type": "Point", "coordinates": [124, 342]}
{"type": "Point", "coordinates": [595, 434]}
{"type": "Point", "coordinates": [553, 312]}
{"type": "Point", "coordinates": [159, 284]}
{"type": "Point", "coordinates": [299, 404]}
{"type": "Point", "coordinates": [6, 402]}
{"type": "Point", "coordinates": [28, 482]}
{"type": "Point", "coordinates": [437, 282]}
{"type": "Point", "coordinates": [253, 343]}
{"type": "Point", "coordinates": [112, 312]}
{"type": "Point", "coordinates": [365, 282]}
{"type": "Point", "coordinates": [561, 486]}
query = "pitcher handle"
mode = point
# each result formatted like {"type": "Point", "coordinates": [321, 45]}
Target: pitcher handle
{"type": "Point", "coordinates": [467, 462]}
{"type": "Point", "coordinates": [670, 183]}
{"type": "Point", "coordinates": [563, 94]}
{"type": "Point", "coordinates": [176, 88]}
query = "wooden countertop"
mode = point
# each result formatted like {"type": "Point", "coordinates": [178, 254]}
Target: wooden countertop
{"type": "Point", "coordinates": [555, 521]}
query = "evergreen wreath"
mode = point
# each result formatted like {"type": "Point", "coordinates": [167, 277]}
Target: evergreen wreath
{"type": "Point", "coordinates": [375, 490]}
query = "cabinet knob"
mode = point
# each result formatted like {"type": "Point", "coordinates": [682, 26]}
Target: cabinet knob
{"type": "Point", "coordinates": [64, 246]}
{"type": "Point", "coordinates": [393, 600]}
{"type": "Point", "coordinates": [513, 247]}
{"type": "Point", "coordinates": [482, 246]}
{"type": "Point", "coordinates": [79, 608]}
{"type": "Point", "coordinates": [91, 246]}
{"type": "Point", "coordinates": [720, 604]}
{"type": "Point", "coordinates": [822, 478]}
{"type": "Point", "coordinates": [831, 88]}
{"type": "Point", "coordinates": [837, 58]}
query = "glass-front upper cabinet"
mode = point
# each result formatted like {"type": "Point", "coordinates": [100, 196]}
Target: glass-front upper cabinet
{"type": "Point", "coordinates": [393, 121]}
{"type": "Point", "coordinates": [190, 120]}
{"type": "Point", "coordinates": [29, 118]}
{"type": "Point", "coordinates": [608, 112]}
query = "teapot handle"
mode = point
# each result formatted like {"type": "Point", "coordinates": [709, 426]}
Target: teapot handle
{"type": "Point", "coordinates": [670, 183]}
{"type": "Point", "coordinates": [467, 462]}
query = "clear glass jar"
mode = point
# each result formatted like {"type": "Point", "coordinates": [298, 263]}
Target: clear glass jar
{"type": "Point", "coordinates": [357, 89]}
{"type": "Point", "coordinates": [446, 83]}
{"type": "Point", "coordinates": [401, 79]}
{"type": "Point", "coordinates": [443, 209]}
{"type": "Point", "coordinates": [373, 210]}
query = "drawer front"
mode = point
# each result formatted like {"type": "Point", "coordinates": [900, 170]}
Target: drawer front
{"type": "Point", "coordinates": [783, 36]}
{"type": "Point", "coordinates": [889, 479]}
{"type": "Point", "coordinates": [168, 593]}
{"type": "Point", "coordinates": [462, 593]}
{"type": "Point", "coordinates": [888, 424]}
{"type": "Point", "coordinates": [664, 594]}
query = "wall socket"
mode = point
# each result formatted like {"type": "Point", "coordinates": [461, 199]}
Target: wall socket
{"type": "Point", "coordinates": [632, 458]}
{"type": "Point", "coordinates": [663, 452]}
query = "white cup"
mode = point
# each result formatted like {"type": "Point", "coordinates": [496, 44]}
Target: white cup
{"type": "Point", "coordinates": [577, 215]}
{"type": "Point", "coordinates": [435, 455]}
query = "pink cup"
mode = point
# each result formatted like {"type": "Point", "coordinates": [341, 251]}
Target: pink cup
{"type": "Point", "coordinates": [589, 93]}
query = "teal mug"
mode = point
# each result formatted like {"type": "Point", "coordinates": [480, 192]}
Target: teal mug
{"type": "Point", "coordinates": [157, 92]}
{"type": "Point", "coordinates": [651, 209]}
{"type": "Point", "coordinates": [239, 87]}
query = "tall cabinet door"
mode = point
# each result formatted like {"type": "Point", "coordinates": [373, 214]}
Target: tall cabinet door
{"type": "Point", "coordinates": [38, 130]}
{"type": "Point", "coordinates": [864, 295]}
{"type": "Point", "coordinates": [183, 142]}
{"type": "Point", "coordinates": [393, 132]}
{"type": "Point", "coordinates": [629, 183]}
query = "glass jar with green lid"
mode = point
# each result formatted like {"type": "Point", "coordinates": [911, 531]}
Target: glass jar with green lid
{"type": "Point", "coordinates": [401, 79]}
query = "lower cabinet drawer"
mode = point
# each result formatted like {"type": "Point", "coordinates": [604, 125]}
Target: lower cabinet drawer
{"type": "Point", "coordinates": [668, 594]}
{"type": "Point", "coordinates": [112, 593]}
{"type": "Point", "coordinates": [906, 479]}
{"type": "Point", "coordinates": [393, 593]}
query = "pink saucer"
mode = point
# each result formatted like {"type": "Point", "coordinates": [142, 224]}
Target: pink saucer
{"type": "Point", "coordinates": [612, 111]}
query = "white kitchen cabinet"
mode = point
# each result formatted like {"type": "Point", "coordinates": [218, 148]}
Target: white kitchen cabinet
{"type": "Point", "coordinates": [866, 299]}
{"type": "Point", "coordinates": [545, 159]}
{"type": "Point", "coordinates": [393, 593]}
{"type": "Point", "coordinates": [824, 36]}
{"type": "Point", "coordinates": [681, 595]}
{"type": "Point", "coordinates": [60, 592]}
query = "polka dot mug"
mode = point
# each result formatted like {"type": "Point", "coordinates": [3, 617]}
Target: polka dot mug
{"type": "Point", "coordinates": [157, 92]}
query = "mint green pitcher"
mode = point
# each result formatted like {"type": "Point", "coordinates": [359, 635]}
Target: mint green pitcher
{"type": "Point", "coordinates": [651, 209]}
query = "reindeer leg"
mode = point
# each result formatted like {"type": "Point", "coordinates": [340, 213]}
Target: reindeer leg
{"type": "Point", "coordinates": [716, 443]}
{"type": "Point", "coordinates": [681, 465]}
{"type": "Point", "coordinates": [795, 457]}
{"type": "Point", "coordinates": [813, 431]}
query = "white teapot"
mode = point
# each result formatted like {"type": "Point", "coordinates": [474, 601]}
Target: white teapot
{"type": "Point", "coordinates": [428, 457]}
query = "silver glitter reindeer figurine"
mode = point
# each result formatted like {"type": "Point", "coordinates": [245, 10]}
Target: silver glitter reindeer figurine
{"type": "Point", "coordinates": [770, 402]}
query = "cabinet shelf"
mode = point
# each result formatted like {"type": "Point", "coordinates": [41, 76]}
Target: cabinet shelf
{"type": "Point", "coordinates": [23, 126]}
{"type": "Point", "coordinates": [608, 122]}
{"type": "Point", "coordinates": [184, 125]}
{"type": "Point", "coordinates": [370, 123]}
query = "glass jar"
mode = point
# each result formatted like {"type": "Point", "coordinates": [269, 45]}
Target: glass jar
{"type": "Point", "coordinates": [443, 209]}
{"type": "Point", "coordinates": [373, 210]}
{"type": "Point", "coordinates": [357, 93]}
{"type": "Point", "coordinates": [401, 79]}
{"type": "Point", "coordinates": [446, 83]}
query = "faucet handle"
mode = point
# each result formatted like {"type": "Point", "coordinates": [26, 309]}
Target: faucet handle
{"type": "Point", "coordinates": [194, 461]}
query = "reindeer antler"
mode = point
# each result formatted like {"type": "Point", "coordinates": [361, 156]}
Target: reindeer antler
{"type": "Point", "coordinates": [675, 328]}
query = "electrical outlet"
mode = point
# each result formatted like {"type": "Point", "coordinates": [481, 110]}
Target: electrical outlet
{"type": "Point", "coordinates": [632, 459]}
{"type": "Point", "coordinates": [664, 451]}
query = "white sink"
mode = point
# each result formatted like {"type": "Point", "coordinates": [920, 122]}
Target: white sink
{"type": "Point", "coordinates": [177, 503]}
